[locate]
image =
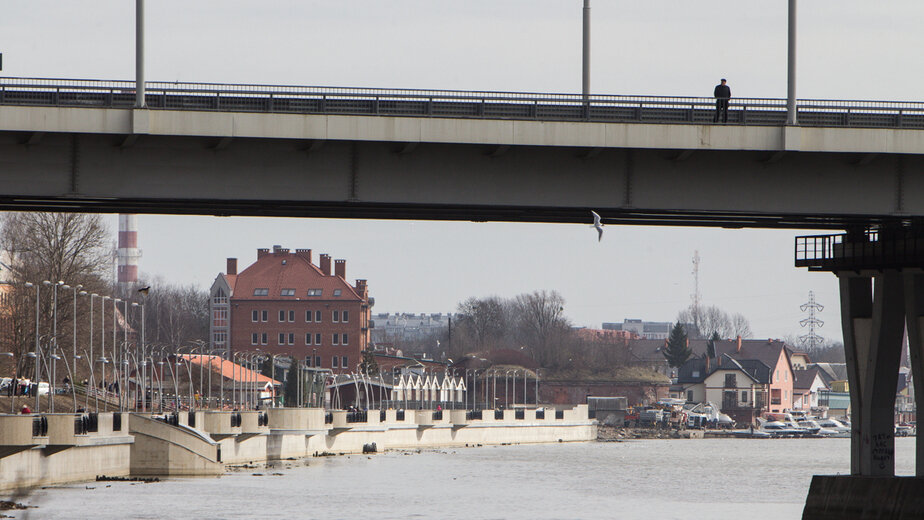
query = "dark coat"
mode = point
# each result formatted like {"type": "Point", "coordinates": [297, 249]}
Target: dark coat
{"type": "Point", "coordinates": [722, 91]}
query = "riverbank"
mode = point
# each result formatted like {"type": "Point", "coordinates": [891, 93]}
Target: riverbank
{"type": "Point", "coordinates": [618, 434]}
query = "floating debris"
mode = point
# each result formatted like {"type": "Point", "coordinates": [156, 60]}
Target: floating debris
{"type": "Point", "coordinates": [147, 480]}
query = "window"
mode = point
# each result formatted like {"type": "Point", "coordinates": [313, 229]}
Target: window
{"type": "Point", "coordinates": [282, 316]}
{"type": "Point", "coordinates": [317, 316]}
{"type": "Point", "coordinates": [785, 376]}
{"type": "Point", "coordinates": [291, 338]}
{"type": "Point", "coordinates": [335, 316]}
{"type": "Point", "coordinates": [689, 396]}
{"type": "Point", "coordinates": [220, 337]}
{"type": "Point", "coordinates": [292, 316]}
{"type": "Point", "coordinates": [308, 339]}
{"type": "Point", "coordinates": [335, 339]}
{"type": "Point", "coordinates": [345, 317]}
{"type": "Point", "coordinates": [333, 362]}
{"type": "Point", "coordinates": [261, 292]}
{"type": "Point", "coordinates": [255, 316]}
{"type": "Point", "coordinates": [730, 381]}
{"type": "Point", "coordinates": [254, 339]}
{"type": "Point", "coordinates": [314, 292]}
{"type": "Point", "coordinates": [308, 361]}
{"type": "Point", "coordinates": [317, 361]}
{"type": "Point", "coordinates": [317, 339]}
{"type": "Point", "coordinates": [344, 342]}
{"type": "Point", "coordinates": [337, 292]}
{"type": "Point", "coordinates": [264, 316]}
{"type": "Point", "coordinates": [744, 397]}
{"type": "Point", "coordinates": [308, 316]}
{"type": "Point", "coordinates": [287, 292]}
{"type": "Point", "coordinates": [282, 338]}
{"type": "Point", "coordinates": [344, 363]}
{"type": "Point", "coordinates": [263, 339]}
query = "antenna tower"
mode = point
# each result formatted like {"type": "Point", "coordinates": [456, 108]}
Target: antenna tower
{"type": "Point", "coordinates": [695, 296]}
{"type": "Point", "coordinates": [811, 340]}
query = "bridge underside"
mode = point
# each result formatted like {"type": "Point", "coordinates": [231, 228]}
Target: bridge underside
{"type": "Point", "coordinates": [444, 181]}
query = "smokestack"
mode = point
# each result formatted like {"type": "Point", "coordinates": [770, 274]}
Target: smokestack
{"type": "Point", "coordinates": [232, 266]}
{"type": "Point", "coordinates": [325, 264]}
{"type": "Point", "coordinates": [361, 287]}
{"type": "Point", "coordinates": [340, 268]}
{"type": "Point", "coordinates": [128, 252]}
{"type": "Point", "coordinates": [739, 343]}
{"type": "Point", "coordinates": [262, 252]}
{"type": "Point", "coordinates": [304, 253]}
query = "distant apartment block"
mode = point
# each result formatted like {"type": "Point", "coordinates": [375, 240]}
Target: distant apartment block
{"type": "Point", "coordinates": [644, 329]}
{"type": "Point", "coordinates": [399, 327]}
{"type": "Point", "coordinates": [284, 304]}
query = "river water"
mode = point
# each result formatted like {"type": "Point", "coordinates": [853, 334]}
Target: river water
{"type": "Point", "coordinates": [643, 479]}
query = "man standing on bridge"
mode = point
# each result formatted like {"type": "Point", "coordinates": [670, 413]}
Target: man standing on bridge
{"type": "Point", "coordinates": [722, 94]}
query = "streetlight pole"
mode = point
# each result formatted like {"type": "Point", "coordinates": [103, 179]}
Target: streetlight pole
{"type": "Point", "coordinates": [38, 349]}
{"type": "Point", "coordinates": [54, 339]}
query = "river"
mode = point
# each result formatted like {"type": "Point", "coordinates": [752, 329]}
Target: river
{"type": "Point", "coordinates": [642, 479]}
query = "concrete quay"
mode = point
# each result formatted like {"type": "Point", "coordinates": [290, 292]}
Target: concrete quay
{"type": "Point", "coordinates": [50, 449]}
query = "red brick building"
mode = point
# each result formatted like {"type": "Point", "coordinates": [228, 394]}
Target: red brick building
{"type": "Point", "coordinates": [285, 304]}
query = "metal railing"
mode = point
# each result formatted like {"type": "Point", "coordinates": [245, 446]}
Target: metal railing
{"type": "Point", "coordinates": [454, 103]}
{"type": "Point", "coordinates": [872, 250]}
{"type": "Point", "coordinates": [473, 415]}
{"type": "Point", "coordinates": [357, 416]}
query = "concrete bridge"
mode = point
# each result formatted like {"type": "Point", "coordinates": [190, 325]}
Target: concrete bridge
{"type": "Point", "coordinates": [375, 153]}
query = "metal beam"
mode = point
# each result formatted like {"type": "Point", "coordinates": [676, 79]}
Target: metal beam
{"type": "Point", "coordinates": [914, 320]}
{"type": "Point", "coordinates": [791, 118]}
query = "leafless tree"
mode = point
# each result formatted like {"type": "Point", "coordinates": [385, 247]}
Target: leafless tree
{"type": "Point", "coordinates": [175, 315]}
{"type": "Point", "coordinates": [711, 319]}
{"type": "Point", "coordinates": [69, 247]}
{"type": "Point", "coordinates": [541, 325]}
{"type": "Point", "coordinates": [485, 320]}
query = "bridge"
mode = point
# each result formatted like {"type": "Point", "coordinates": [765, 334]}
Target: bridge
{"type": "Point", "coordinates": [384, 153]}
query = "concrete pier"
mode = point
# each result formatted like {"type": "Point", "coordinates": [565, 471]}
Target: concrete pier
{"type": "Point", "coordinates": [864, 498]}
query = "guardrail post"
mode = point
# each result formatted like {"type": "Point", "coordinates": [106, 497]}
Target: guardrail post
{"type": "Point", "coordinates": [430, 106]}
{"type": "Point", "coordinates": [270, 102]}
{"type": "Point", "coordinates": [744, 114]}
{"type": "Point", "coordinates": [898, 119]}
{"type": "Point", "coordinates": [481, 108]}
{"type": "Point", "coordinates": [375, 105]}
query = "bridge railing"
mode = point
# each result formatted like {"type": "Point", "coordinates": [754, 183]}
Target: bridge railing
{"type": "Point", "coordinates": [454, 103]}
{"type": "Point", "coordinates": [895, 249]}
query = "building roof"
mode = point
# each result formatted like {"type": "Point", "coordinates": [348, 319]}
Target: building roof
{"type": "Point", "coordinates": [831, 371]}
{"type": "Point", "coordinates": [229, 369]}
{"type": "Point", "coordinates": [803, 379]}
{"type": "Point", "coordinates": [280, 269]}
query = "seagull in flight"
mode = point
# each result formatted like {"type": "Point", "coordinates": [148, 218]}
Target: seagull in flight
{"type": "Point", "coordinates": [597, 225]}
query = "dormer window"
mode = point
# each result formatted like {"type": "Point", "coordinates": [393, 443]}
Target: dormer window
{"type": "Point", "coordinates": [261, 292]}
{"type": "Point", "coordinates": [287, 292]}
{"type": "Point", "coordinates": [337, 292]}
{"type": "Point", "coordinates": [314, 292]}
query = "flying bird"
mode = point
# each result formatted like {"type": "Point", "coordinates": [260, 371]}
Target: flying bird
{"type": "Point", "coordinates": [145, 289]}
{"type": "Point", "coordinates": [597, 225]}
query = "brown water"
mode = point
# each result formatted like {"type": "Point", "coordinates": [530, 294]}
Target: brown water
{"type": "Point", "coordinates": [645, 479]}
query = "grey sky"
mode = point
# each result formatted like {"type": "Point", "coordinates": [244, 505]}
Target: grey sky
{"type": "Point", "coordinates": [848, 49]}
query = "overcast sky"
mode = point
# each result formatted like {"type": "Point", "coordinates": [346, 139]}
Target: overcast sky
{"type": "Point", "coordinates": [848, 49]}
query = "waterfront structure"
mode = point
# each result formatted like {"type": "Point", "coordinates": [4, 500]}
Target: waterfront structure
{"type": "Point", "coordinates": [284, 304]}
{"type": "Point", "coordinates": [643, 329]}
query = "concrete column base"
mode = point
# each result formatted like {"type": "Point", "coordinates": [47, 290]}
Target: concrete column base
{"type": "Point", "coordinates": [857, 497]}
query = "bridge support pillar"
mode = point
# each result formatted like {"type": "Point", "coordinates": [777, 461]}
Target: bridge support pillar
{"type": "Point", "coordinates": [914, 315]}
{"type": "Point", "coordinates": [872, 317]}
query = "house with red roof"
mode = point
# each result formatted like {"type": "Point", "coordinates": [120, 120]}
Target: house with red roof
{"type": "Point", "coordinates": [284, 304]}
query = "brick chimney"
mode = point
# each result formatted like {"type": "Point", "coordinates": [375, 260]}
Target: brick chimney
{"type": "Point", "coordinates": [304, 253]}
{"type": "Point", "coordinates": [361, 288]}
{"type": "Point", "coordinates": [340, 268]}
{"type": "Point", "coordinates": [325, 264]}
{"type": "Point", "coordinates": [739, 343]}
{"type": "Point", "coordinates": [262, 252]}
{"type": "Point", "coordinates": [232, 266]}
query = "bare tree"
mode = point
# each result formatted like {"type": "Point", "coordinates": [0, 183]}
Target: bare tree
{"type": "Point", "coordinates": [541, 326]}
{"type": "Point", "coordinates": [709, 320]}
{"type": "Point", "coordinates": [175, 315]}
{"type": "Point", "coordinates": [69, 247]}
{"type": "Point", "coordinates": [484, 320]}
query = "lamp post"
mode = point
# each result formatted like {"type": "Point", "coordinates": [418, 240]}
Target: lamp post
{"type": "Point", "coordinates": [102, 333]}
{"type": "Point", "coordinates": [89, 356]}
{"type": "Point", "coordinates": [54, 339]}
{"type": "Point", "coordinates": [38, 350]}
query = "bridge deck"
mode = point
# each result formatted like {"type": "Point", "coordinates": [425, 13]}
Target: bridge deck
{"type": "Point", "coordinates": [455, 104]}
